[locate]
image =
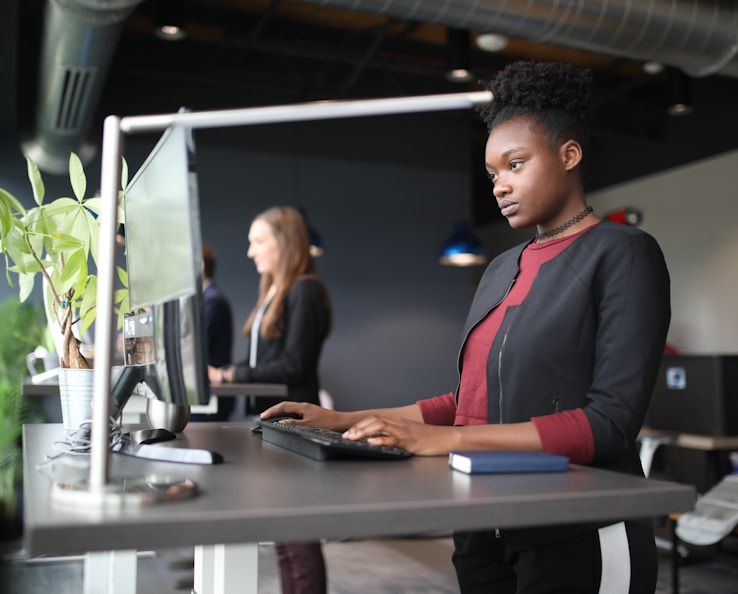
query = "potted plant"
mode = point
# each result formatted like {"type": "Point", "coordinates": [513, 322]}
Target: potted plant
{"type": "Point", "coordinates": [58, 241]}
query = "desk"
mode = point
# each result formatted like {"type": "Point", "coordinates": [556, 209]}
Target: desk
{"type": "Point", "coordinates": [265, 493]}
{"type": "Point", "coordinates": [136, 406]}
{"type": "Point", "coordinates": [700, 460]}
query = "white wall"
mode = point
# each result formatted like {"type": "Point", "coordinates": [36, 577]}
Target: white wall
{"type": "Point", "coordinates": [693, 213]}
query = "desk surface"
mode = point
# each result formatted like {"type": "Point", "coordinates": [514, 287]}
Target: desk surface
{"type": "Point", "coordinates": [265, 493]}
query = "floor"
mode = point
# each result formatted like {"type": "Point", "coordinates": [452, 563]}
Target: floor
{"type": "Point", "coordinates": [394, 566]}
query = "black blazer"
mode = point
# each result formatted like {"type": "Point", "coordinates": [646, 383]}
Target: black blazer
{"type": "Point", "coordinates": [293, 358]}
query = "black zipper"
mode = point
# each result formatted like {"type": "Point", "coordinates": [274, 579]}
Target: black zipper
{"type": "Point", "coordinates": [466, 336]}
{"type": "Point", "coordinates": [499, 360]}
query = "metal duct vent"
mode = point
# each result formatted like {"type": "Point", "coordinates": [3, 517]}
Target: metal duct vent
{"type": "Point", "coordinates": [79, 41]}
{"type": "Point", "coordinates": [74, 101]}
{"type": "Point", "coordinates": [698, 36]}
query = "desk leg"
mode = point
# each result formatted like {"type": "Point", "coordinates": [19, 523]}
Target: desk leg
{"type": "Point", "coordinates": [223, 569]}
{"type": "Point", "coordinates": [674, 556]}
{"type": "Point", "coordinates": [110, 572]}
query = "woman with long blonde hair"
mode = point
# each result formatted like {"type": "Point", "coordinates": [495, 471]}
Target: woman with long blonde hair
{"type": "Point", "coordinates": [286, 330]}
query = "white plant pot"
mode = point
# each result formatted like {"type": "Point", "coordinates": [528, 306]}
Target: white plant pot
{"type": "Point", "coordinates": [75, 391]}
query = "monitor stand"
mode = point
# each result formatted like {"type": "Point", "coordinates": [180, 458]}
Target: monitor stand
{"type": "Point", "coordinates": [130, 447]}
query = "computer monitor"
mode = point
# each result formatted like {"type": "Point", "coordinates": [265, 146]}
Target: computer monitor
{"type": "Point", "coordinates": [164, 335]}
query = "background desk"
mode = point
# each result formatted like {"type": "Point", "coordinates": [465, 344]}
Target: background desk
{"type": "Point", "coordinates": [698, 460]}
{"type": "Point", "coordinates": [265, 493]}
{"type": "Point", "coordinates": [136, 406]}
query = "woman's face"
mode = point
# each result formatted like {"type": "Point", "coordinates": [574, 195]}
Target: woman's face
{"type": "Point", "coordinates": [533, 181]}
{"type": "Point", "coordinates": [263, 247]}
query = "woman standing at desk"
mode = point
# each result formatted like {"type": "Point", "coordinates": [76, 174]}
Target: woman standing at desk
{"type": "Point", "coordinates": [286, 330]}
{"type": "Point", "coordinates": [560, 350]}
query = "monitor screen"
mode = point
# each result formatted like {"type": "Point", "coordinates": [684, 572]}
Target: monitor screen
{"type": "Point", "coordinates": [164, 335]}
{"type": "Point", "coordinates": [162, 223]}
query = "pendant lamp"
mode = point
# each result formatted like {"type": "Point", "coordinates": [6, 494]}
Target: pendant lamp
{"type": "Point", "coordinates": [316, 241]}
{"type": "Point", "coordinates": [459, 56]}
{"type": "Point", "coordinates": [462, 248]}
{"type": "Point", "coordinates": [169, 20]}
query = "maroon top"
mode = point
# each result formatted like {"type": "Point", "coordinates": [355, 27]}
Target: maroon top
{"type": "Point", "coordinates": [567, 433]}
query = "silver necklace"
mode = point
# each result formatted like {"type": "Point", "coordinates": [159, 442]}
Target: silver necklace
{"type": "Point", "coordinates": [564, 226]}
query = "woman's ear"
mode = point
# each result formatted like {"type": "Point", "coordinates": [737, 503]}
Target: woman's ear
{"type": "Point", "coordinates": [571, 154]}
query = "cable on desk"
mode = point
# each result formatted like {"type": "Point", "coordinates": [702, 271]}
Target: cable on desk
{"type": "Point", "coordinates": [79, 443]}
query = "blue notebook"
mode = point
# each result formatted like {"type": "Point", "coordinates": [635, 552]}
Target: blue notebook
{"type": "Point", "coordinates": [502, 461]}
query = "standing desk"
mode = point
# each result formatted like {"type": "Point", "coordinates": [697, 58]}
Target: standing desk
{"type": "Point", "coordinates": [265, 493]}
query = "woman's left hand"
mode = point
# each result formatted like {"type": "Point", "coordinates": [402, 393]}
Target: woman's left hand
{"type": "Point", "coordinates": [215, 374]}
{"type": "Point", "coordinates": [415, 437]}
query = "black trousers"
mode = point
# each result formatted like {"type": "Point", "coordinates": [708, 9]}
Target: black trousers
{"type": "Point", "coordinates": [302, 568]}
{"type": "Point", "coordinates": [617, 559]}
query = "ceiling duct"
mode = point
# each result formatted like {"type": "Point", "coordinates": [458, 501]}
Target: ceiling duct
{"type": "Point", "coordinates": [79, 41]}
{"type": "Point", "coordinates": [80, 37]}
{"type": "Point", "coordinates": [699, 36]}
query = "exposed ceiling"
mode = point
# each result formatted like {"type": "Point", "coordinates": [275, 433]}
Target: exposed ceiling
{"type": "Point", "coordinates": [240, 53]}
{"type": "Point", "coordinates": [300, 51]}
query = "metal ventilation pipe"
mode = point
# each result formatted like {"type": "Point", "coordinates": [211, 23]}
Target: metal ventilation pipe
{"type": "Point", "coordinates": [79, 40]}
{"type": "Point", "coordinates": [698, 36]}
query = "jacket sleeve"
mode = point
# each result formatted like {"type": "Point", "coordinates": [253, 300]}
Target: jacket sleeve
{"type": "Point", "coordinates": [439, 410]}
{"type": "Point", "coordinates": [295, 354]}
{"type": "Point", "coordinates": [633, 315]}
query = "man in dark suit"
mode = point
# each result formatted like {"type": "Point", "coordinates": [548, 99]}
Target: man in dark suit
{"type": "Point", "coordinates": [219, 330]}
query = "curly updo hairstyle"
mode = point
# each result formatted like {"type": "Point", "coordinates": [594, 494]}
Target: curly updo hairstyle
{"type": "Point", "coordinates": [554, 95]}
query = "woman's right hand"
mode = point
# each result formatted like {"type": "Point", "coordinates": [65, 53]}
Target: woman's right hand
{"type": "Point", "coordinates": [308, 414]}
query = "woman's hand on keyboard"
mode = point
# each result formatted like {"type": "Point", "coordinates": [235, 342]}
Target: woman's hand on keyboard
{"type": "Point", "coordinates": [419, 438]}
{"type": "Point", "coordinates": [308, 414]}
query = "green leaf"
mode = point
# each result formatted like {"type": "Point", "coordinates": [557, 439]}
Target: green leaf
{"type": "Point", "coordinates": [11, 201]}
{"type": "Point", "coordinates": [25, 285]}
{"type": "Point", "coordinates": [86, 320]}
{"type": "Point", "coordinates": [37, 184]}
{"type": "Point", "coordinates": [77, 176]}
{"type": "Point", "coordinates": [64, 242]}
{"type": "Point", "coordinates": [75, 268]}
{"type": "Point", "coordinates": [17, 249]}
{"type": "Point", "coordinates": [7, 273]}
{"type": "Point", "coordinates": [94, 205]}
{"type": "Point", "coordinates": [122, 276]}
{"type": "Point", "coordinates": [121, 300]}
{"type": "Point", "coordinates": [76, 222]}
{"type": "Point", "coordinates": [25, 264]}
{"type": "Point", "coordinates": [60, 207]}
{"type": "Point", "coordinates": [87, 307]}
{"type": "Point", "coordinates": [9, 206]}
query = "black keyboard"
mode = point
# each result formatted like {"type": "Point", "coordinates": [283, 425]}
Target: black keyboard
{"type": "Point", "coordinates": [323, 444]}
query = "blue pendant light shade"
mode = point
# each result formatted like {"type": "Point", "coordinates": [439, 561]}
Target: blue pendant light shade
{"type": "Point", "coordinates": [316, 243]}
{"type": "Point", "coordinates": [462, 249]}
